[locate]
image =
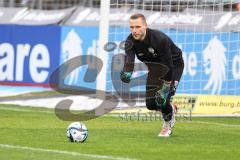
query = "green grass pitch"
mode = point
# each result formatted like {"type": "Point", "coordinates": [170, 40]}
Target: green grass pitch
{"type": "Point", "coordinates": [37, 134]}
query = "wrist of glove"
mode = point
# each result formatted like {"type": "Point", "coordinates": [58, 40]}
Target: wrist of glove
{"type": "Point", "coordinates": [126, 76]}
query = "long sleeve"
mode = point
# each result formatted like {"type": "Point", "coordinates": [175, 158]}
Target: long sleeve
{"type": "Point", "coordinates": [168, 53]}
{"type": "Point", "coordinates": [129, 57]}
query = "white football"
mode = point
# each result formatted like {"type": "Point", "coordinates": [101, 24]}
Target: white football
{"type": "Point", "coordinates": [77, 132]}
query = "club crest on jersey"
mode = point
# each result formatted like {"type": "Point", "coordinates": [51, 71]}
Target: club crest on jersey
{"type": "Point", "coordinates": [152, 51]}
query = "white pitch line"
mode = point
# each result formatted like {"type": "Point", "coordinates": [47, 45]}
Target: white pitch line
{"type": "Point", "coordinates": [63, 152]}
{"type": "Point", "coordinates": [213, 123]}
{"type": "Point", "coordinates": [24, 110]}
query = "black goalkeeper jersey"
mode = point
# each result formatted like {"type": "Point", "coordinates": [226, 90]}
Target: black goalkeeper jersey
{"type": "Point", "coordinates": [156, 47]}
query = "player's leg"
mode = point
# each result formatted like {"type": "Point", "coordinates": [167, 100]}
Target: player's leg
{"type": "Point", "coordinates": [158, 94]}
{"type": "Point", "coordinates": [163, 98]}
{"type": "Point", "coordinates": [152, 86]}
{"type": "Point", "coordinates": [167, 90]}
{"type": "Point", "coordinates": [168, 112]}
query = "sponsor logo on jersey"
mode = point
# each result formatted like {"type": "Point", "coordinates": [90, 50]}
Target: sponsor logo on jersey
{"type": "Point", "coordinates": [152, 51]}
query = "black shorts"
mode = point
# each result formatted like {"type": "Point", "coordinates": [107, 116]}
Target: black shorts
{"type": "Point", "coordinates": [155, 80]}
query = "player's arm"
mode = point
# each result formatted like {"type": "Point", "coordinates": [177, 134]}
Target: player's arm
{"type": "Point", "coordinates": [168, 53]}
{"type": "Point", "coordinates": [163, 44]}
{"type": "Point", "coordinates": [166, 87]}
{"type": "Point", "coordinates": [128, 68]}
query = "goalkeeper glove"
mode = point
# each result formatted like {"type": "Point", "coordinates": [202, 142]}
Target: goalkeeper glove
{"type": "Point", "coordinates": [162, 94]}
{"type": "Point", "coordinates": [126, 76]}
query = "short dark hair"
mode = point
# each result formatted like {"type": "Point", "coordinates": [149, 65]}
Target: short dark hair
{"type": "Point", "coordinates": [138, 15]}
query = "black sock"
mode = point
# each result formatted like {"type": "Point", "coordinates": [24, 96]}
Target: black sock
{"type": "Point", "coordinates": [167, 112]}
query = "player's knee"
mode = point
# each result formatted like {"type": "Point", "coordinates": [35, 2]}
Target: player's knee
{"type": "Point", "coordinates": [151, 105]}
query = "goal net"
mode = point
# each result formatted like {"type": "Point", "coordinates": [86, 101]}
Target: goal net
{"type": "Point", "coordinates": [208, 32]}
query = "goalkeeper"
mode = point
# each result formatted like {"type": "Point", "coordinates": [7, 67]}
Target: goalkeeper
{"type": "Point", "coordinates": [154, 47]}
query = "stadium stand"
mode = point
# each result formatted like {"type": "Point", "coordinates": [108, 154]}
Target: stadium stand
{"type": "Point", "coordinates": [157, 5]}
